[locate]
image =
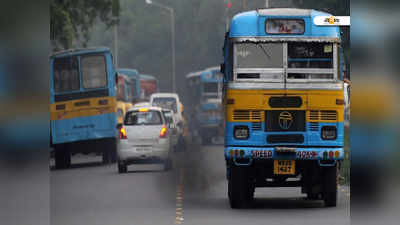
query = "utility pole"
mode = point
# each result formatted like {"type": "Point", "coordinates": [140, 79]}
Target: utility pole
{"type": "Point", "coordinates": [172, 12]}
{"type": "Point", "coordinates": [115, 13]}
{"type": "Point", "coordinates": [267, 4]}
{"type": "Point", "coordinates": [244, 5]}
{"type": "Point", "coordinates": [116, 45]}
{"type": "Point", "coordinates": [173, 50]}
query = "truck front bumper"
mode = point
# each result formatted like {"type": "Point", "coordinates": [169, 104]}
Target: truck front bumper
{"type": "Point", "coordinates": [242, 156]}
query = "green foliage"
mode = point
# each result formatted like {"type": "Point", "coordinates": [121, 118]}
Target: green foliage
{"type": "Point", "coordinates": [71, 21]}
{"type": "Point", "coordinates": [145, 33]}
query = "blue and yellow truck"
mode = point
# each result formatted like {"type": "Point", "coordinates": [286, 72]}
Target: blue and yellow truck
{"type": "Point", "coordinates": [284, 104]}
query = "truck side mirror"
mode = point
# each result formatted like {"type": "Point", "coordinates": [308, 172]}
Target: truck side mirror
{"type": "Point", "coordinates": [222, 68]}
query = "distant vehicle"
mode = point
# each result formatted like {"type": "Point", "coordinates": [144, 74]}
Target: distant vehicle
{"type": "Point", "coordinates": [284, 104]}
{"type": "Point", "coordinates": [172, 126]}
{"type": "Point", "coordinates": [148, 86]}
{"type": "Point", "coordinates": [83, 115]}
{"type": "Point", "coordinates": [347, 105]}
{"type": "Point", "coordinates": [171, 101]}
{"type": "Point", "coordinates": [123, 96]}
{"type": "Point", "coordinates": [133, 88]}
{"type": "Point", "coordinates": [205, 88]}
{"type": "Point", "coordinates": [144, 138]}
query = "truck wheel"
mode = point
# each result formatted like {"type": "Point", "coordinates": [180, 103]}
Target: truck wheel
{"type": "Point", "coordinates": [62, 156]}
{"type": "Point", "coordinates": [240, 188]}
{"type": "Point", "coordinates": [330, 186]}
{"type": "Point", "coordinates": [122, 168]}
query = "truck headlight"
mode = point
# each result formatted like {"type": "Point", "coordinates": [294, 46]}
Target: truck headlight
{"type": "Point", "coordinates": [328, 133]}
{"type": "Point", "coordinates": [241, 132]}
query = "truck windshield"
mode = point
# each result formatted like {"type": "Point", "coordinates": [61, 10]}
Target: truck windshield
{"type": "Point", "coordinates": [259, 55]}
{"type": "Point", "coordinates": [293, 61]}
{"type": "Point", "coordinates": [143, 118]}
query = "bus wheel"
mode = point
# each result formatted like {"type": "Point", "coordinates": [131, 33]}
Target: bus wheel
{"type": "Point", "coordinates": [122, 168]}
{"type": "Point", "coordinates": [240, 188]}
{"type": "Point", "coordinates": [330, 186]}
{"type": "Point", "coordinates": [109, 151]}
{"type": "Point", "coordinates": [62, 156]}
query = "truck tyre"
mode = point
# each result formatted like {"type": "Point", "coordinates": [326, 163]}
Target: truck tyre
{"type": "Point", "coordinates": [62, 156]}
{"type": "Point", "coordinates": [122, 168]}
{"type": "Point", "coordinates": [330, 186]}
{"type": "Point", "coordinates": [240, 188]}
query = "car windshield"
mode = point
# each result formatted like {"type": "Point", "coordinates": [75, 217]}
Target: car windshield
{"type": "Point", "coordinates": [168, 103]}
{"type": "Point", "coordinates": [151, 117]}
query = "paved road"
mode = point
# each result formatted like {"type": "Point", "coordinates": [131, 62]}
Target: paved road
{"type": "Point", "coordinates": [194, 192]}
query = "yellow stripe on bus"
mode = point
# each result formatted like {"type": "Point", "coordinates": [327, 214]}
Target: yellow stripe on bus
{"type": "Point", "coordinates": [82, 107]}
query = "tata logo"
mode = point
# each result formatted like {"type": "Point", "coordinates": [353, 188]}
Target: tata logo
{"type": "Point", "coordinates": [285, 120]}
{"type": "Point", "coordinates": [243, 53]}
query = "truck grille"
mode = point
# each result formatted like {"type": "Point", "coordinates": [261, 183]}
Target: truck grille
{"type": "Point", "coordinates": [247, 115]}
{"type": "Point", "coordinates": [313, 126]}
{"type": "Point", "coordinates": [283, 121]}
{"type": "Point", "coordinates": [322, 115]}
{"type": "Point", "coordinates": [256, 126]}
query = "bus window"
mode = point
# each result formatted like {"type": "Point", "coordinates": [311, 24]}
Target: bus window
{"type": "Point", "coordinates": [310, 55]}
{"type": "Point", "coordinates": [94, 72]}
{"type": "Point", "coordinates": [210, 88]}
{"type": "Point", "coordinates": [66, 76]}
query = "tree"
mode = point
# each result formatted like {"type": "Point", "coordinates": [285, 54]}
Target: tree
{"type": "Point", "coordinates": [71, 21]}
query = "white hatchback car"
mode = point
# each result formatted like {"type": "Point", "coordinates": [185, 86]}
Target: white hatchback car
{"type": "Point", "coordinates": [144, 138]}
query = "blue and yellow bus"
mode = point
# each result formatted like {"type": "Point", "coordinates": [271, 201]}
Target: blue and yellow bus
{"type": "Point", "coordinates": [83, 105]}
{"type": "Point", "coordinates": [205, 88]}
{"type": "Point", "coordinates": [284, 103]}
{"type": "Point", "coordinates": [132, 91]}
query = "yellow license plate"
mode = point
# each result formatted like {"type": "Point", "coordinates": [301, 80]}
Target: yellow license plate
{"type": "Point", "coordinates": [286, 167]}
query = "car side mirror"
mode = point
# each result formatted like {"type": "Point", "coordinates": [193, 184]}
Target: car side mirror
{"type": "Point", "coordinates": [222, 68]}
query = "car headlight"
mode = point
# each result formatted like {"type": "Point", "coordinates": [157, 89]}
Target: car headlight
{"type": "Point", "coordinates": [241, 132]}
{"type": "Point", "coordinates": [328, 133]}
